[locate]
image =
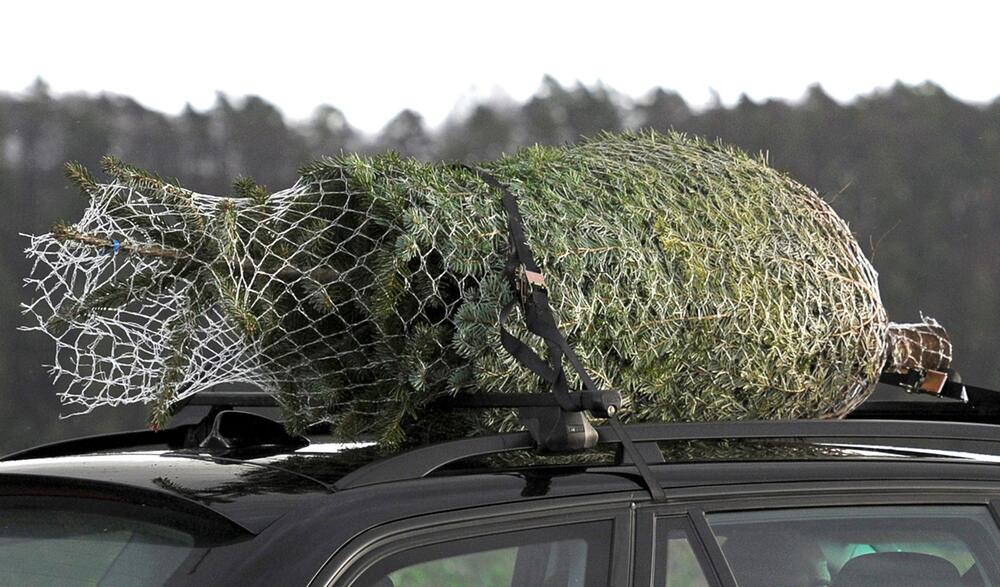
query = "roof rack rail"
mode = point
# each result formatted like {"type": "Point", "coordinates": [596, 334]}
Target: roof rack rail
{"type": "Point", "coordinates": [423, 461]}
{"type": "Point", "coordinates": [960, 402]}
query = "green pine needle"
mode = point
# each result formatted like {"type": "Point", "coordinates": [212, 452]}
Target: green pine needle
{"type": "Point", "coordinates": [79, 176]}
{"type": "Point", "coordinates": [246, 187]}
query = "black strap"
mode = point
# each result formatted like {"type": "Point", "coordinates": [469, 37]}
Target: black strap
{"type": "Point", "coordinates": [525, 277]}
{"type": "Point", "coordinates": [655, 491]}
{"type": "Point", "coordinates": [527, 280]}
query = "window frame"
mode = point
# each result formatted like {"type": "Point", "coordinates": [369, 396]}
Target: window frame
{"type": "Point", "coordinates": [378, 544]}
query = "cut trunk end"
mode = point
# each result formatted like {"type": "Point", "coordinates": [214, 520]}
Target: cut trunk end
{"type": "Point", "coordinates": [923, 346]}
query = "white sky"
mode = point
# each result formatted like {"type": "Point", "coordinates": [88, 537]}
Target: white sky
{"type": "Point", "coordinates": [373, 58]}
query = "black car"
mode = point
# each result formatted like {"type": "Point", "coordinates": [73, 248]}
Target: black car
{"type": "Point", "coordinates": [905, 493]}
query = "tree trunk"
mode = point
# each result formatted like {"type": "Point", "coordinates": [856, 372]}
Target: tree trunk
{"type": "Point", "coordinates": [923, 346]}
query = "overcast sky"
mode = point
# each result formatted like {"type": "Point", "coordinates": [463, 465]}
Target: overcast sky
{"type": "Point", "coordinates": [373, 58]}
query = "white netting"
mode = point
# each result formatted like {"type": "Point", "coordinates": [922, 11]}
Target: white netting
{"type": "Point", "coordinates": [122, 355]}
{"type": "Point", "coordinates": [921, 345]}
{"type": "Point", "coordinates": [173, 298]}
{"type": "Point", "coordinates": [691, 277]}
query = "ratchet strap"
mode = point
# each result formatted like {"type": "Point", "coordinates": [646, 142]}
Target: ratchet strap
{"type": "Point", "coordinates": [528, 283]}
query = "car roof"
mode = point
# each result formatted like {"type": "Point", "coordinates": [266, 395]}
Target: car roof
{"type": "Point", "coordinates": [255, 493]}
{"type": "Point", "coordinates": [256, 480]}
{"type": "Point", "coordinates": [256, 490]}
{"type": "Point", "coordinates": [251, 494]}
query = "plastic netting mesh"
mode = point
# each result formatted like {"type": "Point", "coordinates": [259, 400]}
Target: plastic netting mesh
{"type": "Point", "coordinates": [693, 278]}
{"type": "Point", "coordinates": [920, 346]}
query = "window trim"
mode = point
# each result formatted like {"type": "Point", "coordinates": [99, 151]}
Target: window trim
{"type": "Point", "coordinates": [720, 571]}
{"type": "Point", "coordinates": [645, 570]}
{"type": "Point", "coordinates": [994, 507]}
{"type": "Point", "coordinates": [370, 547]}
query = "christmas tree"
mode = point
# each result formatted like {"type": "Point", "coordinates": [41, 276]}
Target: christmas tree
{"type": "Point", "coordinates": [688, 275]}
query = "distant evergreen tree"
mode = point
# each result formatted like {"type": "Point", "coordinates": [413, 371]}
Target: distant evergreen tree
{"type": "Point", "coordinates": [328, 132]}
{"type": "Point", "coordinates": [145, 136]}
{"type": "Point", "coordinates": [485, 134]}
{"type": "Point", "coordinates": [261, 143]}
{"type": "Point", "coordinates": [200, 166]}
{"type": "Point", "coordinates": [590, 111]}
{"type": "Point", "coordinates": [543, 116]}
{"type": "Point", "coordinates": [555, 115]}
{"type": "Point", "coordinates": [662, 110]}
{"type": "Point", "coordinates": [405, 134]}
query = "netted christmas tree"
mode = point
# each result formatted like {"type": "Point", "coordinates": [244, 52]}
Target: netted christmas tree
{"type": "Point", "coordinates": [693, 278]}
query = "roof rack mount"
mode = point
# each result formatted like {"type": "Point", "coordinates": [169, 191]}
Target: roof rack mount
{"type": "Point", "coordinates": [556, 425]}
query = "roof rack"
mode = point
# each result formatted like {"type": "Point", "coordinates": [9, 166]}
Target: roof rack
{"type": "Point", "coordinates": [423, 461]}
{"type": "Point", "coordinates": [552, 428]}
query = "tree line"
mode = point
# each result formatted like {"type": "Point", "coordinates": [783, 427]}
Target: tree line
{"type": "Point", "coordinates": [915, 171]}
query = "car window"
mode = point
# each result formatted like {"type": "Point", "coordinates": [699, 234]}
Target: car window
{"type": "Point", "coordinates": [677, 562]}
{"type": "Point", "coordinates": [572, 555]}
{"type": "Point", "coordinates": [55, 546]}
{"type": "Point", "coordinates": [943, 546]}
{"type": "Point", "coordinates": [104, 539]}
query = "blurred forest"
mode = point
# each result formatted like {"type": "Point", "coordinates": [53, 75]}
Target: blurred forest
{"type": "Point", "coordinates": [915, 172]}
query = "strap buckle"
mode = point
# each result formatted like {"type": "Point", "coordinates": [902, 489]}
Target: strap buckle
{"type": "Point", "coordinates": [527, 281]}
{"type": "Point", "coordinates": [924, 381]}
